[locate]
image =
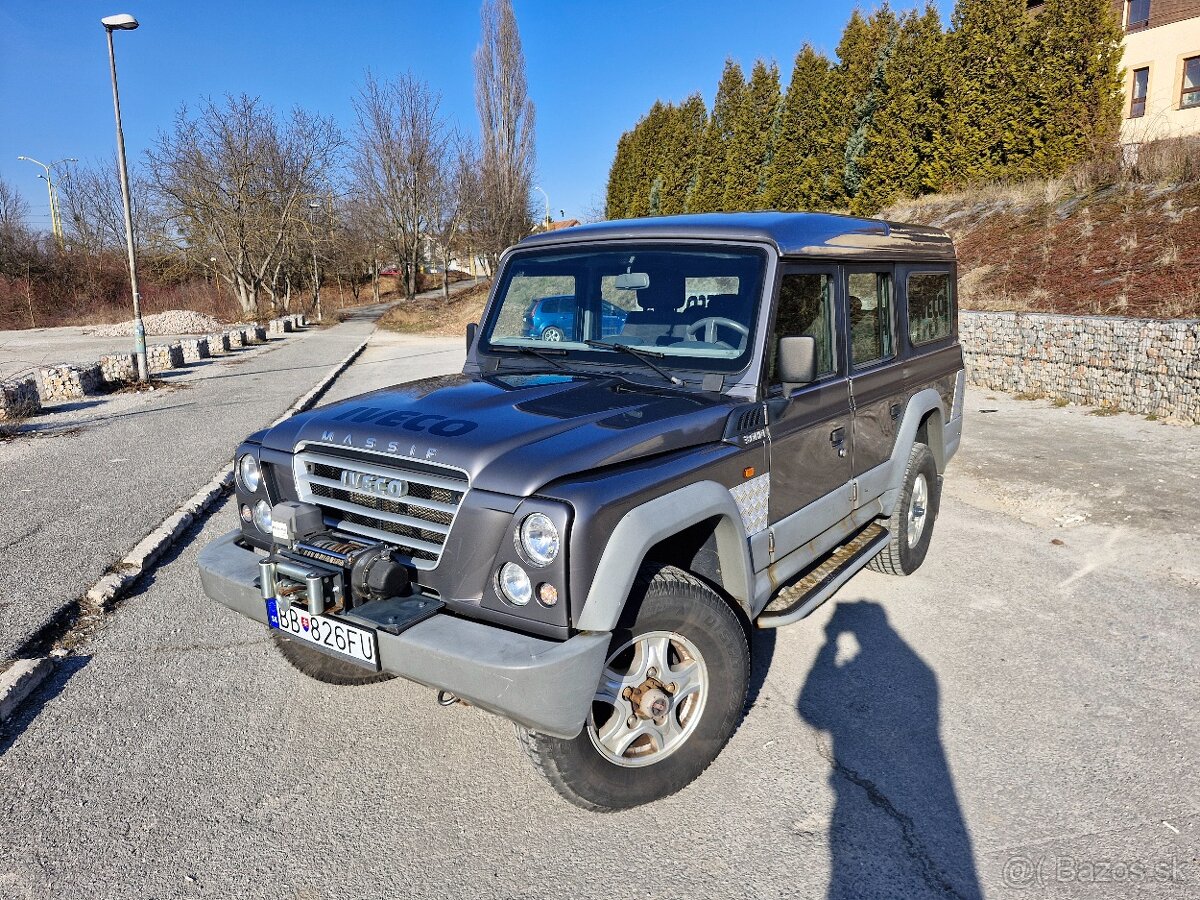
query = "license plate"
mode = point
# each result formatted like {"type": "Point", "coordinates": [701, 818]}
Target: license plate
{"type": "Point", "coordinates": [331, 635]}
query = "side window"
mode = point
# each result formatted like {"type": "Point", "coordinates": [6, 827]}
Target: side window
{"type": "Point", "coordinates": [930, 306]}
{"type": "Point", "coordinates": [806, 308]}
{"type": "Point", "coordinates": [869, 302]}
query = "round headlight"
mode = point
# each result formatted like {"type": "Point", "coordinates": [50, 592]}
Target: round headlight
{"type": "Point", "coordinates": [514, 584]}
{"type": "Point", "coordinates": [248, 473]}
{"type": "Point", "coordinates": [262, 516]}
{"type": "Point", "coordinates": [539, 539]}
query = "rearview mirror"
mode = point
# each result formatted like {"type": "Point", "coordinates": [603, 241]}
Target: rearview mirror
{"type": "Point", "coordinates": [797, 361]}
{"type": "Point", "coordinates": [471, 329]}
{"type": "Point", "coordinates": [633, 281]}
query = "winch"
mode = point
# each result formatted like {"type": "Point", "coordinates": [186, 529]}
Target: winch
{"type": "Point", "coordinates": [331, 571]}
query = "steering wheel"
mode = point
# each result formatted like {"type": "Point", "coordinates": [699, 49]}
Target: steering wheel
{"type": "Point", "coordinates": [710, 325]}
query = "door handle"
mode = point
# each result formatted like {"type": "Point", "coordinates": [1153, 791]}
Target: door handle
{"type": "Point", "coordinates": [837, 437]}
{"type": "Point", "coordinates": [894, 410]}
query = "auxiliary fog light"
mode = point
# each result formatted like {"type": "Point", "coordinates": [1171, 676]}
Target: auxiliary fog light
{"type": "Point", "coordinates": [249, 474]}
{"type": "Point", "coordinates": [515, 584]}
{"type": "Point", "coordinates": [262, 516]}
{"type": "Point", "coordinates": [247, 515]}
{"type": "Point", "coordinates": [547, 594]}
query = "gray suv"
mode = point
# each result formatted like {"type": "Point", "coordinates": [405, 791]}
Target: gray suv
{"type": "Point", "coordinates": [581, 534]}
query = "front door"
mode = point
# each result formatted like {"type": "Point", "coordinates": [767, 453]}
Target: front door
{"type": "Point", "coordinates": [811, 434]}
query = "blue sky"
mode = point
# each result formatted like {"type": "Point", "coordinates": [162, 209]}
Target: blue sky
{"type": "Point", "coordinates": [593, 67]}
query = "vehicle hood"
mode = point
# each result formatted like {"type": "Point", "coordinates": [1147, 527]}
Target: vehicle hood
{"type": "Point", "coordinates": [512, 433]}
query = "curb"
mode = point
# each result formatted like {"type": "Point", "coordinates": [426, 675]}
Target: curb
{"type": "Point", "coordinates": [24, 675]}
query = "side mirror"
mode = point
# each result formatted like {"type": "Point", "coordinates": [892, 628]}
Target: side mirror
{"type": "Point", "coordinates": [471, 329]}
{"type": "Point", "coordinates": [797, 361]}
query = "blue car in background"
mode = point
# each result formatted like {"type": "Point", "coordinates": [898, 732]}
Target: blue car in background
{"type": "Point", "coordinates": [553, 318]}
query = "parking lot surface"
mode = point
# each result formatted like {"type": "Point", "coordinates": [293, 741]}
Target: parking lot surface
{"type": "Point", "coordinates": [1018, 718]}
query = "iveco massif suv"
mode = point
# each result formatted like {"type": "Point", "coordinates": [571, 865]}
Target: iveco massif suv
{"type": "Point", "coordinates": [580, 533]}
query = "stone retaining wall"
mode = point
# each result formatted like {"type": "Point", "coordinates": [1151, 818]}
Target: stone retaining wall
{"type": "Point", "coordinates": [1145, 366]}
{"type": "Point", "coordinates": [19, 398]}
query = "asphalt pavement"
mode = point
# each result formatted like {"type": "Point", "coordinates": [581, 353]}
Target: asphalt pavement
{"type": "Point", "coordinates": [1018, 718]}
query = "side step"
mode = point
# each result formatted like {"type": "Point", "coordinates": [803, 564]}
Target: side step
{"type": "Point", "coordinates": [796, 601]}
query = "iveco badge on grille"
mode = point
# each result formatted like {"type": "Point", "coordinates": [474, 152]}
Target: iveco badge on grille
{"type": "Point", "coordinates": [364, 483]}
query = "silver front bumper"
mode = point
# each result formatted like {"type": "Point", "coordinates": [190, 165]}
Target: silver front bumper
{"type": "Point", "coordinates": [545, 685]}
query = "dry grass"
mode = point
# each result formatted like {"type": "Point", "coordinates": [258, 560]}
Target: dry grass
{"type": "Point", "coordinates": [1108, 238]}
{"type": "Point", "coordinates": [438, 315]}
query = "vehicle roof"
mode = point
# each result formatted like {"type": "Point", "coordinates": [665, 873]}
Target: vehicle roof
{"type": "Point", "coordinates": [791, 233]}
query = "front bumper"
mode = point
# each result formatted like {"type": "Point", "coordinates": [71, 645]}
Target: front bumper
{"type": "Point", "coordinates": [545, 685]}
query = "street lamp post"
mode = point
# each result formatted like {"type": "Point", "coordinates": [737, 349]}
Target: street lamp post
{"type": "Point", "coordinates": [126, 22]}
{"type": "Point", "coordinates": [547, 196]}
{"type": "Point", "coordinates": [55, 210]}
{"type": "Point", "coordinates": [313, 206]}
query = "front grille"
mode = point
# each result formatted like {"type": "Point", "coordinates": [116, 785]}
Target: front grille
{"type": "Point", "coordinates": [417, 521]}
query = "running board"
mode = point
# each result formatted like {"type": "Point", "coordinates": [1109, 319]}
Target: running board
{"type": "Point", "coordinates": [796, 601]}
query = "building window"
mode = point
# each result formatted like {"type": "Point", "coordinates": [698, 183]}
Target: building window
{"type": "Point", "coordinates": [1191, 83]}
{"type": "Point", "coordinates": [1137, 14]}
{"type": "Point", "coordinates": [1137, 101]}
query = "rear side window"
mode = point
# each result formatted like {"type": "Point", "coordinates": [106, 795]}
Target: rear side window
{"type": "Point", "coordinates": [806, 308]}
{"type": "Point", "coordinates": [870, 308]}
{"type": "Point", "coordinates": [930, 306]}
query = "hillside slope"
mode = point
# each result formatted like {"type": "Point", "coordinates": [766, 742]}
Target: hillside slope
{"type": "Point", "coordinates": [1124, 249]}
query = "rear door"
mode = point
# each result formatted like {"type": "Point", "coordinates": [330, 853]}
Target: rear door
{"type": "Point", "coordinates": [876, 386]}
{"type": "Point", "coordinates": [811, 437]}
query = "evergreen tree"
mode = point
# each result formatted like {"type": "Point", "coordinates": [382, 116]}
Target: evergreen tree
{"type": "Point", "coordinates": [708, 194]}
{"type": "Point", "coordinates": [749, 143]}
{"type": "Point", "coordinates": [791, 182]}
{"type": "Point", "coordinates": [679, 152]}
{"type": "Point", "coordinates": [991, 127]}
{"type": "Point", "coordinates": [1076, 46]}
{"type": "Point", "coordinates": [900, 144]}
{"type": "Point", "coordinates": [618, 192]}
{"type": "Point", "coordinates": [880, 41]}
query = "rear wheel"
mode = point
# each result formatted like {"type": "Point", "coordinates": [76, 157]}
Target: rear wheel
{"type": "Point", "coordinates": [911, 523]}
{"type": "Point", "coordinates": [672, 690]}
{"type": "Point", "coordinates": [322, 666]}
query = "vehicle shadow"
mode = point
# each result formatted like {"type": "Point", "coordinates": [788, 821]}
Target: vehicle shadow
{"type": "Point", "coordinates": [897, 827]}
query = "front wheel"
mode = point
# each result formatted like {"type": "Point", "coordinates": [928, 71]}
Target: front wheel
{"type": "Point", "coordinates": [553, 334]}
{"type": "Point", "coordinates": [672, 690]}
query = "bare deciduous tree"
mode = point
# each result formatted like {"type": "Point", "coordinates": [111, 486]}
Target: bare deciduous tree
{"type": "Point", "coordinates": [402, 139]}
{"type": "Point", "coordinates": [454, 201]}
{"type": "Point", "coordinates": [235, 179]}
{"type": "Point", "coordinates": [506, 119]}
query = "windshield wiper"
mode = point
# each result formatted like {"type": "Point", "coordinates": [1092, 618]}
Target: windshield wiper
{"type": "Point", "coordinates": [530, 351]}
{"type": "Point", "coordinates": [640, 354]}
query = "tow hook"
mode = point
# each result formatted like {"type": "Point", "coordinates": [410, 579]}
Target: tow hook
{"type": "Point", "coordinates": [445, 698]}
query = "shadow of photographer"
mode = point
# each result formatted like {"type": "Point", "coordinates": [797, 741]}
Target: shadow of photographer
{"type": "Point", "coordinates": [897, 827]}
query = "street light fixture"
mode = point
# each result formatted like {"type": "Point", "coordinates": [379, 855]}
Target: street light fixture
{"type": "Point", "coordinates": [126, 22]}
{"type": "Point", "coordinates": [55, 211]}
{"type": "Point", "coordinates": [547, 196]}
{"type": "Point", "coordinates": [313, 206]}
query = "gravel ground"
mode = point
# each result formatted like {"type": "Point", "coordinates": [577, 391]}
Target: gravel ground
{"type": "Point", "coordinates": [171, 321]}
{"type": "Point", "coordinates": [1021, 713]}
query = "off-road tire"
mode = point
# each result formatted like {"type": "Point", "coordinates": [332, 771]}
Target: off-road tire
{"type": "Point", "coordinates": [323, 667]}
{"type": "Point", "coordinates": [898, 558]}
{"type": "Point", "coordinates": [664, 598]}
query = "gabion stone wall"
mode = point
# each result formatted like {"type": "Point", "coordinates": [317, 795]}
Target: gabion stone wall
{"type": "Point", "coordinates": [1145, 366]}
{"type": "Point", "coordinates": [66, 382]}
{"type": "Point", "coordinates": [218, 343]}
{"type": "Point", "coordinates": [235, 340]}
{"type": "Point", "coordinates": [194, 349]}
{"type": "Point", "coordinates": [117, 368]}
{"type": "Point", "coordinates": [161, 357]}
{"type": "Point", "coordinates": [19, 398]}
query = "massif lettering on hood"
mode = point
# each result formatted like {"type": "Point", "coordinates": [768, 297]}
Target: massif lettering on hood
{"type": "Point", "coordinates": [411, 420]}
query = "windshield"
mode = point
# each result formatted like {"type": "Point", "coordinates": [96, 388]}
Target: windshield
{"type": "Point", "coordinates": [692, 308]}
